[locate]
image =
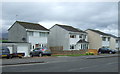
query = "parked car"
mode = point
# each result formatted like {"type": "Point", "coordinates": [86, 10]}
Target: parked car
{"type": "Point", "coordinates": [106, 50]}
{"type": "Point", "coordinates": [4, 52]}
{"type": "Point", "coordinates": [40, 52]}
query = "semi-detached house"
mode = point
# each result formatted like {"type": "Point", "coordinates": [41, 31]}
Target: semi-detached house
{"type": "Point", "coordinates": [32, 33]}
{"type": "Point", "coordinates": [68, 37]}
{"type": "Point", "coordinates": [98, 39]}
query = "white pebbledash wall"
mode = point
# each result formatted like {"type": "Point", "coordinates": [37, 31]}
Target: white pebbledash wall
{"type": "Point", "coordinates": [36, 39]}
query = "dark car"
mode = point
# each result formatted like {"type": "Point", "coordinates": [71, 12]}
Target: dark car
{"type": "Point", "coordinates": [40, 52]}
{"type": "Point", "coordinates": [106, 50]}
{"type": "Point", "coordinates": [4, 52]}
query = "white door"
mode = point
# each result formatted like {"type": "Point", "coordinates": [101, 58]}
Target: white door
{"type": "Point", "coordinates": [22, 49]}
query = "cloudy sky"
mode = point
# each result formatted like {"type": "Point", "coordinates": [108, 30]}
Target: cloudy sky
{"type": "Point", "coordinates": [102, 16]}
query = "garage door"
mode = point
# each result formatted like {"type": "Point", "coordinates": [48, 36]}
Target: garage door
{"type": "Point", "coordinates": [22, 49]}
{"type": "Point", "coordinates": [11, 49]}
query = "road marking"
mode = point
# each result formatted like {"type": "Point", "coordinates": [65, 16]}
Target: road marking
{"type": "Point", "coordinates": [82, 68]}
{"type": "Point", "coordinates": [91, 66]}
{"type": "Point", "coordinates": [37, 63]}
{"type": "Point", "coordinates": [112, 63]}
{"type": "Point", "coordinates": [22, 64]}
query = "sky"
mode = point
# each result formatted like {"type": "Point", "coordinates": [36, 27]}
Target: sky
{"type": "Point", "coordinates": [101, 16]}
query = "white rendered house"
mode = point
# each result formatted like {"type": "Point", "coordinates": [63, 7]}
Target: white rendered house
{"type": "Point", "coordinates": [28, 32]}
{"type": "Point", "coordinates": [68, 37]}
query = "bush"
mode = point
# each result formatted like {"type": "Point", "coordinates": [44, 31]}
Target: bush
{"type": "Point", "coordinates": [89, 53]}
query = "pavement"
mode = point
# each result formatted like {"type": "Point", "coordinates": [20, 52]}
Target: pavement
{"type": "Point", "coordinates": [30, 60]}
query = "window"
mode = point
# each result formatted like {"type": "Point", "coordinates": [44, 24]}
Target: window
{"type": "Point", "coordinates": [108, 38]}
{"type": "Point", "coordinates": [43, 34]}
{"type": "Point", "coordinates": [30, 33]}
{"type": "Point", "coordinates": [72, 47]}
{"type": "Point", "coordinates": [86, 46]}
{"type": "Point", "coordinates": [84, 36]}
{"type": "Point", "coordinates": [104, 38]}
{"type": "Point", "coordinates": [80, 36]}
{"type": "Point", "coordinates": [81, 46]}
{"type": "Point", "coordinates": [72, 36]}
{"type": "Point", "coordinates": [116, 41]}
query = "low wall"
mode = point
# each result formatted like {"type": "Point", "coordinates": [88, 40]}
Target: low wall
{"type": "Point", "coordinates": [59, 50]}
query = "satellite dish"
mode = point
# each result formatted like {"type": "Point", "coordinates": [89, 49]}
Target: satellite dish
{"type": "Point", "coordinates": [24, 39]}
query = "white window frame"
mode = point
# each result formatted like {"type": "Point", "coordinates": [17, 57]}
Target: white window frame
{"type": "Point", "coordinates": [31, 33]}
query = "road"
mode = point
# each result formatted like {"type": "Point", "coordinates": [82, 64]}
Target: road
{"type": "Point", "coordinates": [67, 64]}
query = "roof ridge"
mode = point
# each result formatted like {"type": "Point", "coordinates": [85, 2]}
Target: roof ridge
{"type": "Point", "coordinates": [102, 32]}
{"type": "Point", "coordinates": [34, 26]}
{"type": "Point", "coordinates": [70, 28]}
{"type": "Point", "coordinates": [28, 22]}
{"type": "Point", "coordinates": [63, 25]}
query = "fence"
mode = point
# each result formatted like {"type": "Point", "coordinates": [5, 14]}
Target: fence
{"type": "Point", "coordinates": [95, 51]}
{"type": "Point", "coordinates": [59, 50]}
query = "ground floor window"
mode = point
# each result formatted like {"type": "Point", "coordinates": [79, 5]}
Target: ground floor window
{"type": "Point", "coordinates": [72, 46]}
{"type": "Point", "coordinates": [84, 46]}
{"type": "Point", "coordinates": [33, 46]}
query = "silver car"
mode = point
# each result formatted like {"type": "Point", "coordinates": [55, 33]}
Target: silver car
{"type": "Point", "coordinates": [40, 52]}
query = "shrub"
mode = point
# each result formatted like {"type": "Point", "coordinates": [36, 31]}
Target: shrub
{"type": "Point", "coordinates": [89, 53]}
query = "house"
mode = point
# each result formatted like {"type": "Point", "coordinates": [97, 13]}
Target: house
{"type": "Point", "coordinates": [98, 39]}
{"type": "Point", "coordinates": [32, 33]}
{"type": "Point", "coordinates": [68, 37]}
{"type": "Point", "coordinates": [117, 46]}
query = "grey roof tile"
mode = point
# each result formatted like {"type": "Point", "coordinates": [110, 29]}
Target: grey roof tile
{"type": "Point", "coordinates": [70, 28]}
{"type": "Point", "coordinates": [33, 26]}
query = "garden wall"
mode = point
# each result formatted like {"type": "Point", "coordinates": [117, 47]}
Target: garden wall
{"type": "Point", "coordinates": [59, 50]}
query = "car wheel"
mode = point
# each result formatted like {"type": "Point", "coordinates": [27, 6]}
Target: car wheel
{"type": "Point", "coordinates": [110, 52]}
{"type": "Point", "coordinates": [8, 57]}
{"type": "Point", "coordinates": [31, 55]}
{"type": "Point", "coordinates": [21, 57]}
{"type": "Point", "coordinates": [99, 52]}
{"type": "Point", "coordinates": [11, 57]}
{"type": "Point", "coordinates": [49, 55]}
{"type": "Point", "coordinates": [40, 54]}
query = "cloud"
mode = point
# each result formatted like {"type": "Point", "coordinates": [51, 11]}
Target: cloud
{"type": "Point", "coordinates": [83, 15]}
{"type": "Point", "coordinates": [49, 24]}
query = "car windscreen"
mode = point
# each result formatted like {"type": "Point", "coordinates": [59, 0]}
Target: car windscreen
{"type": "Point", "coordinates": [44, 48]}
{"type": "Point", "coordinates": [36, 49]}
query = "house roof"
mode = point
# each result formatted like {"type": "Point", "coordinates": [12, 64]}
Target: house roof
{"type": "Point", "coordinates": [82, 41]}
{"type": "Point", "coordinates": [33, 26]}
{"type": "Point", "coordinates": [69, 28]}
{"type": "Point", "coordinates": [102, 33]}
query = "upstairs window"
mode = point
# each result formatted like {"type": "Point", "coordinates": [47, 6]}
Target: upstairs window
{"type": "Point", "coordinates": [30, 33]}
{"type": "Point", "coordinates": [104, 38]}
{"type": "Point", "coordinates": [84, 36]}
{"type": "Point", "coordinates": [116, 41]}
{"type": "Point", "coordinates": [43, 34]}
{"type": "Point", "coordinates": [108, 38]}
{"type": "Point", "coordinates": [80, 36]}
{"type": "Point", "coordinates": [72, 36]}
